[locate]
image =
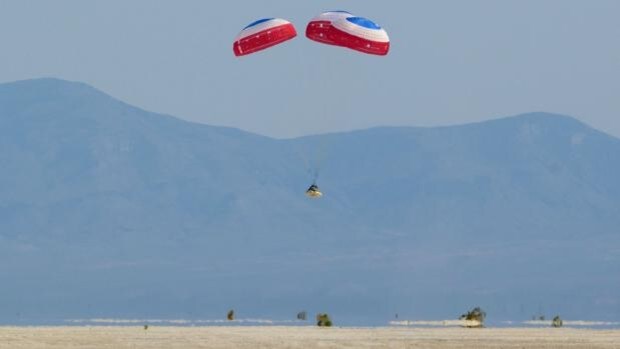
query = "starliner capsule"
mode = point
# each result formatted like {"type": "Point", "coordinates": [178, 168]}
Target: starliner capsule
{"type": "Point", "coordinates": [314, 192]}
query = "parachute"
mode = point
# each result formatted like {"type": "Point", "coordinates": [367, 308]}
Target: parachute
{"type": "Point", "coordinates": [337, 28]}
{"type": "Point", "coordinates": [341, 28]}
{"type": "Point", "coordinates": [263, 34]}
{"type": "Point", "coordinates": [362, 35]}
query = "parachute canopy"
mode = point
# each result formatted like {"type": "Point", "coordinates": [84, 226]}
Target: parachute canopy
{"type": "Point", "coordinates": [343, 29]}
{"type": "Point", "coordinates": [263, 34]}
{"type": "Point", "coordinates": [362, 35]}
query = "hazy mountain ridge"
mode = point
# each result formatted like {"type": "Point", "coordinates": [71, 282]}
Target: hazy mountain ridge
{"type": "Point", "coordinates": [115, 210]}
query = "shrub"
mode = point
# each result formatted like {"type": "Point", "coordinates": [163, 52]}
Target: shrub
{"type": "Point", "coordinates": [474, 317]}
{"type": "Point", "coordinates": [323, 320]}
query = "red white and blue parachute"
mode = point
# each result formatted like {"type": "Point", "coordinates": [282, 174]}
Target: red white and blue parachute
{"type": "Point", "coordinates": [263, 34]}
{"type": "Point", "coordinates": [361, 34]}
{"type": "Point", "coordinates": [338, 28]}
{"type": "Point", "coordinates": [341, 28]}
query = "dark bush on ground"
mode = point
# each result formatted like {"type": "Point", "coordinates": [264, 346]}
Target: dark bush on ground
{"type": "Point", "coordinates": [323, 320]}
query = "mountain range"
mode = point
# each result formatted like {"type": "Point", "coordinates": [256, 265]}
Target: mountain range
{"type": "Point", "coordinates": [108, 210]}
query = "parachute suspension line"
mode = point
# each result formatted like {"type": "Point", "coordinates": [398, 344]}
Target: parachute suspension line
{"type": "Point", "coordinates": [329, 75]}
{"type": "Point", "coordinates": [312, 147]}
{"type": "Point", "coordinates": [304, 149]}
{"type": "Point", "coordinates": [345, 30]}
{"type": "Point", "coordinates": [315, 175]}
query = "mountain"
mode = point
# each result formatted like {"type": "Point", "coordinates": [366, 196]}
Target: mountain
{"type": "Point", "coordinates": [107, 210]}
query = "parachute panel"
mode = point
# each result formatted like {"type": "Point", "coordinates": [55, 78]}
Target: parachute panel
{"type": "Point", "coordinates": [263, 34]}
{"type": "Point", "coordinates": [320, 28]}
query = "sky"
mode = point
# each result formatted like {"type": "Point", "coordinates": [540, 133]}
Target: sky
{"type": "Point", "coordinates": [451, 62]}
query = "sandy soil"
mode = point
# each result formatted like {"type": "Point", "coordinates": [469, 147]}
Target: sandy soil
{"type": "Point", "coordinates": [302, 337]}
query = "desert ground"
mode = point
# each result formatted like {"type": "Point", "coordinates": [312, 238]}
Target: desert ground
{"type": "Point", "coordinates": [87, 337]}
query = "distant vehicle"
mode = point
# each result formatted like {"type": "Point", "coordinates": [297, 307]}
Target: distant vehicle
{"type": "Point", "coordinates": [474, 318]}
{"type": "Point", "coordinates": [314, 192]}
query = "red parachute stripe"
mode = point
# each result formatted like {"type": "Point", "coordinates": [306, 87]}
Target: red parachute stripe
{"type": "Point", "coordinates": [321, 31]}
{"type": "Point", "coordinates": [359, 44]}
{"type": "Point", "coordinates": [264, 39]}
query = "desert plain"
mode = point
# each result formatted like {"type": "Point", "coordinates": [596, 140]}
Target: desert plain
{"type": "Point", "coordinates": [91, 337]}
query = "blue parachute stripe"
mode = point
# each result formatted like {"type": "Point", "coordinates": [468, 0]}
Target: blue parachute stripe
{"type": "Point", "coordinates": [364, 22]}
{"type": "Point", "coordinates": [257, 22]}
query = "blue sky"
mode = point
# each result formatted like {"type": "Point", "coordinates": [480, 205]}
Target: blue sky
{"type": "Point", "coordinates": [451, 61]}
